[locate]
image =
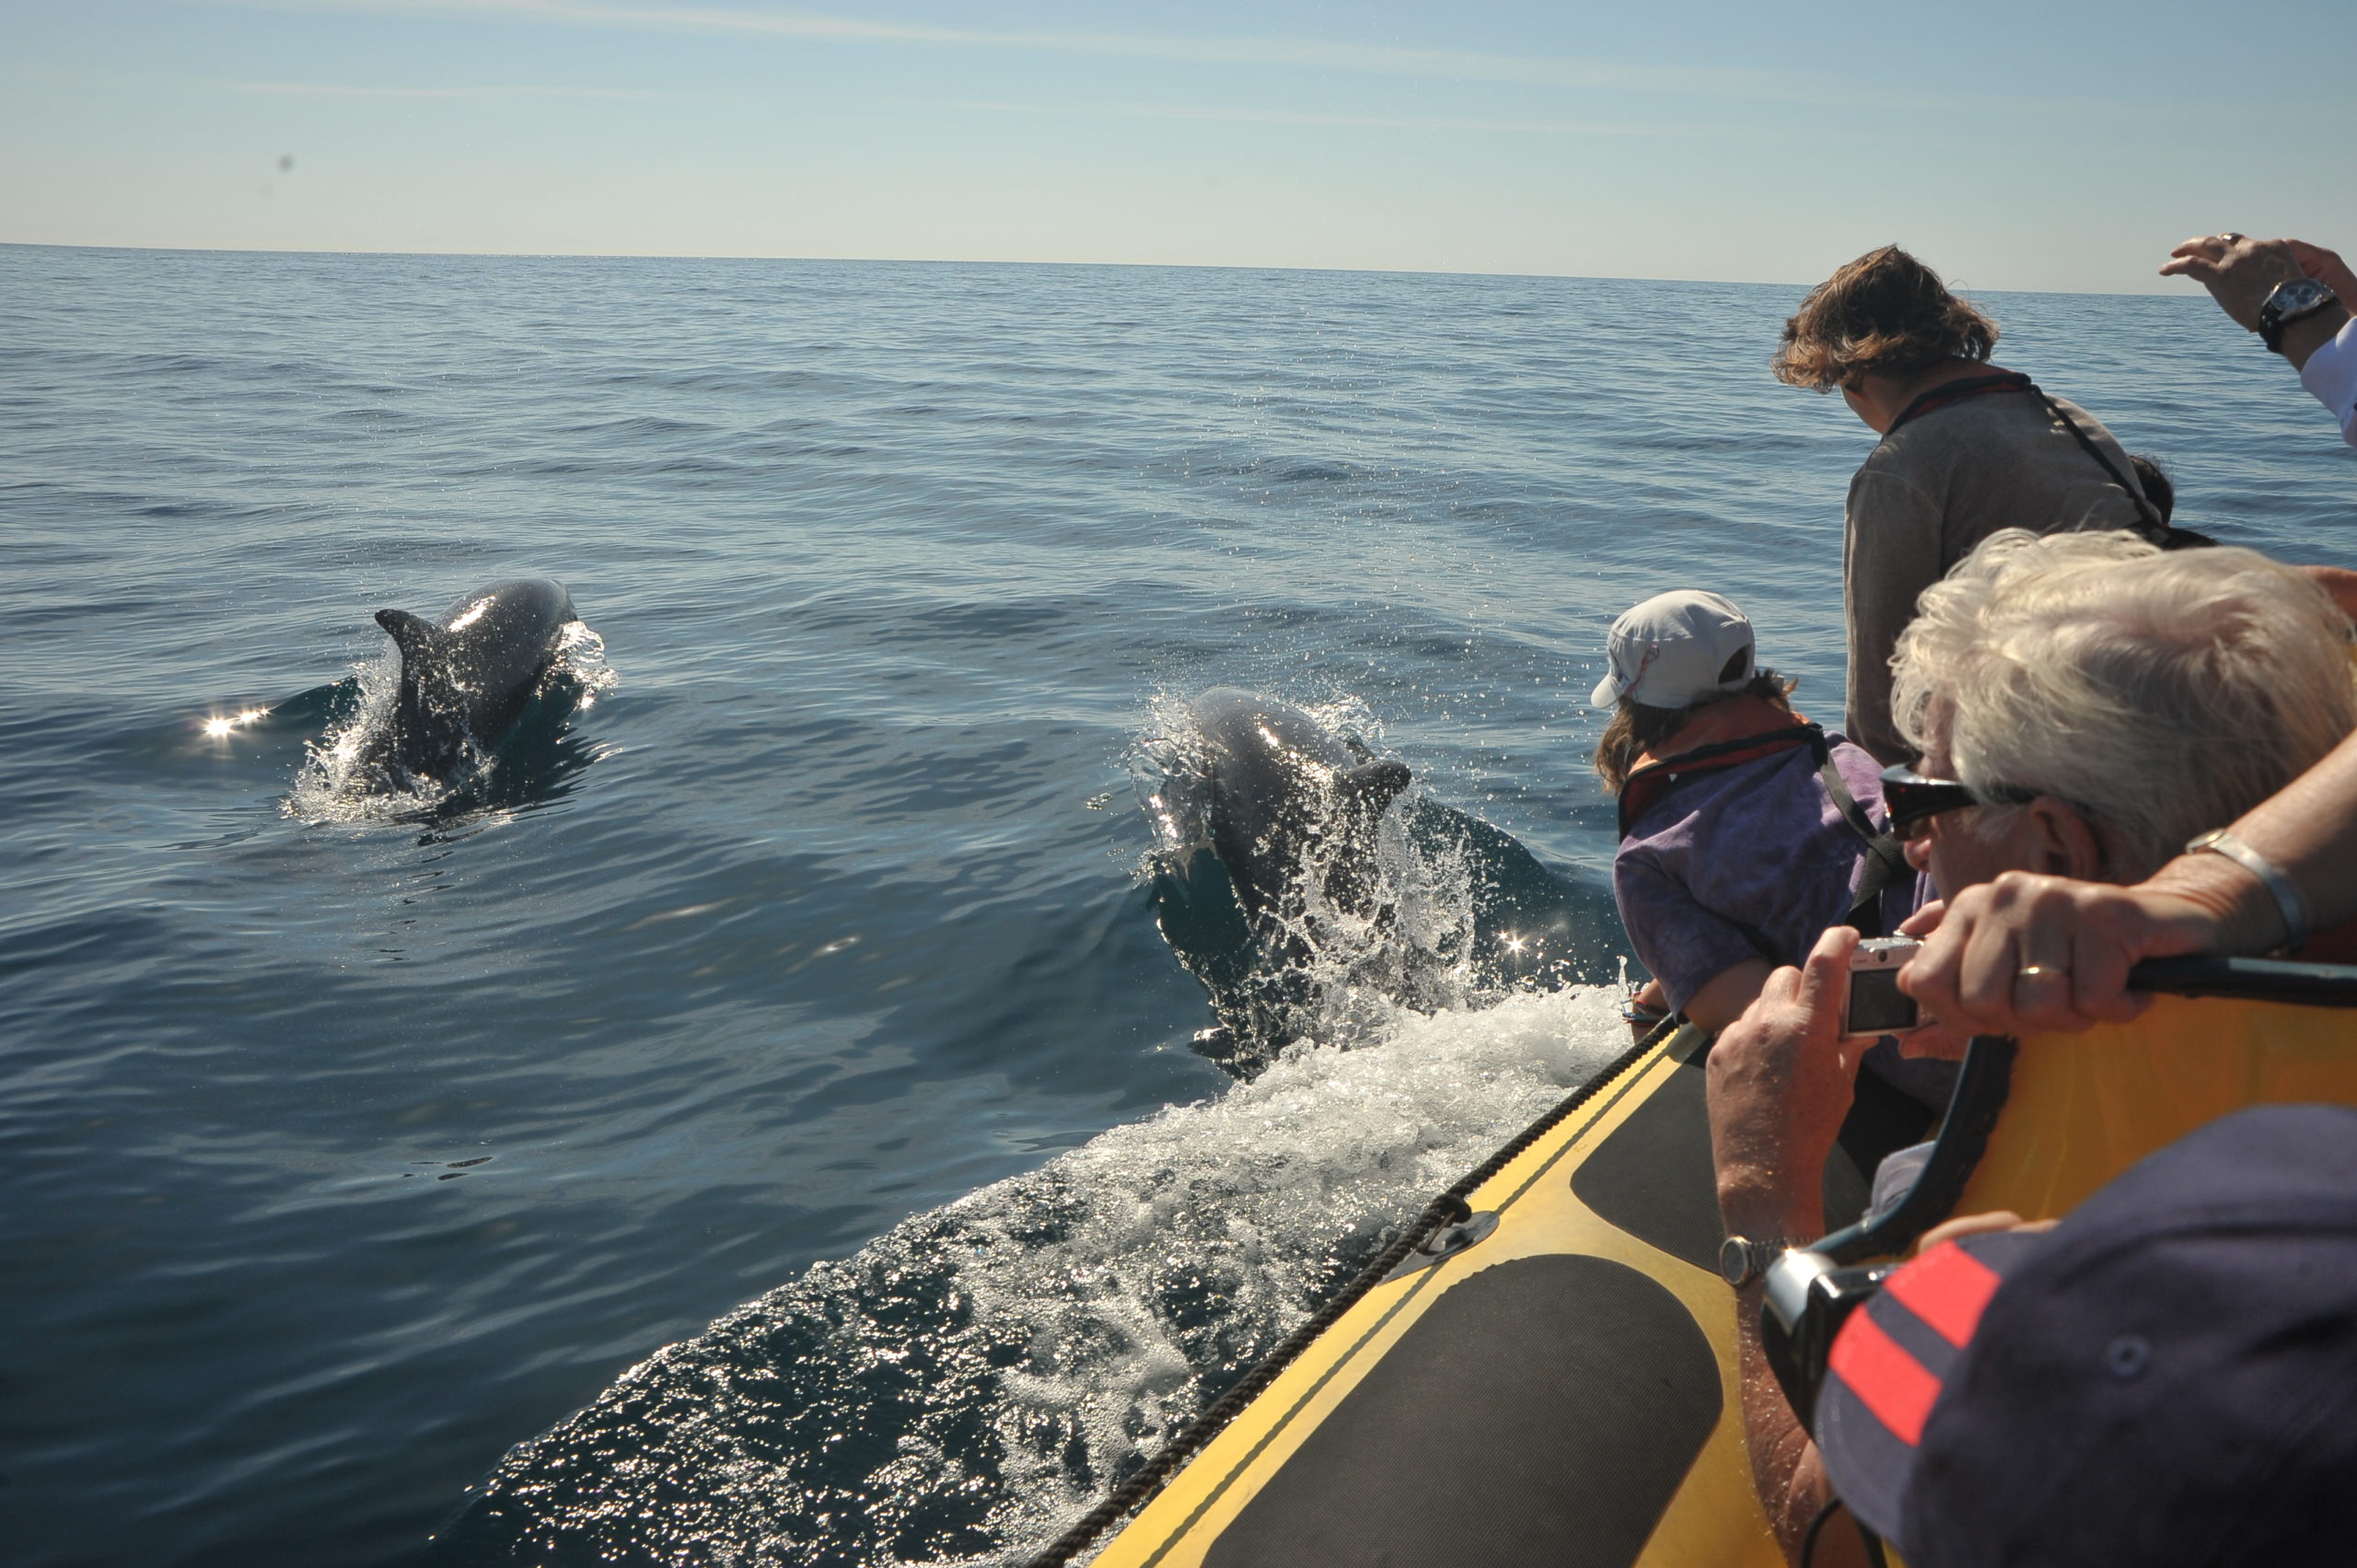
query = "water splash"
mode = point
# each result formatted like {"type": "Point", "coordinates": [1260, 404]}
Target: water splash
{"type": "Point", "coordinates": [335, 784]}
{"type": "Point", "coordinates": [1437, 910]}
{"type": "Point", "coordinates": [965, 1386]}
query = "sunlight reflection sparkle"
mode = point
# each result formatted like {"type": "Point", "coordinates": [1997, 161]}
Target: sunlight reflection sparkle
{"type": "Point", "coordinates": [217, 726]}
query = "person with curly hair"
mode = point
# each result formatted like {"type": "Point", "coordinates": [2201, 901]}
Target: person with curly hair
{"type": "Point", "coordinates": [1968, 448]}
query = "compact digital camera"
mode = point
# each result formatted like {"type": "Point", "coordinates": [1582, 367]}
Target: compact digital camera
{"type": "Point", "coordinates": [1875, 1006]}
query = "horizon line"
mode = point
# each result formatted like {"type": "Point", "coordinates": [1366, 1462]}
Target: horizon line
{"type": "Point", "coordinates": [1964, 289]}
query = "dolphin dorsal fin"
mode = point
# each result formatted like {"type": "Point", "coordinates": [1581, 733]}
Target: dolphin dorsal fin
{"type": "Point", "coordinates": [411, 633]}
{"type": "Point", "coordinates": [1374, 786]}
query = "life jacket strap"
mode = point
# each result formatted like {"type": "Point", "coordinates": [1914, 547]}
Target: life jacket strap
{"type": "Point", "coordinates": [1649, 782]}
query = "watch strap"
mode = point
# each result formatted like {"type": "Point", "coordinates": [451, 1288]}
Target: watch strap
{"type": "Point", "coordinates": [1742, 1260]}
{"type": "Point", "coordinates": [2293, 908]}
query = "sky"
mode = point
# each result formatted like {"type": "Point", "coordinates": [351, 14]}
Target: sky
{"type": "Point", "coordinates": [2057, 145]}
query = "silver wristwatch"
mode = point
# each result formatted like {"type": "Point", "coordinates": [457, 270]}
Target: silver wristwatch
{"type": "Point", "coordinates": [2291, 302]}
{"type": "Point", "coordinates": [1742, 1260]}
{"type": "Point", "coordinates": [2295, 909]}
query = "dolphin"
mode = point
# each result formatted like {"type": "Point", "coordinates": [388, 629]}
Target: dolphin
{"type": "Point", "coordinates": [466, 677]}
{"type": "Point", "coordinates": [1290, 801]}
{"type": "Point", "coordinates": [1271, 889]}
{"type": "Point", "coordinates": [1269, 883]}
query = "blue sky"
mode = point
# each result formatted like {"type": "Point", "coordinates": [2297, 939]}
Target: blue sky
{"type": "Point", "coordinates": [2015, 145]}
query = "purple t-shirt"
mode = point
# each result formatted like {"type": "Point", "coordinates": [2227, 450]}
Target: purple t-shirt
{"type": "Point", "coordinates": [1750, 862]}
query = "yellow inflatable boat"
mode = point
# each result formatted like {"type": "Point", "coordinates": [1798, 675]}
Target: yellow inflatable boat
{"type": "Point", "coordinates": [1542, 1369]}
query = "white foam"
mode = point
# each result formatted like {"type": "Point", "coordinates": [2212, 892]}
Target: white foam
{"type": "Point", "coordinates": [1042, 1336]}
{"type": "Point", "coordinates": [1274, 1186]}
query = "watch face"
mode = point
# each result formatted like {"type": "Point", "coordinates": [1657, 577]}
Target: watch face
{"type": "Point", "coordinates": [2291, 299]}
{"type": "Point", "coordinates": [1735, 1259]}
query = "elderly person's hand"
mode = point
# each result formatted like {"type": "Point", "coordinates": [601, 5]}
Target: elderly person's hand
{"type": "Point", "coordinates": [1781, 1081]}
{"type": "Point", "coordinates": [2027, 954]}
{"type": "Point", "coordinates": [2239, 272]}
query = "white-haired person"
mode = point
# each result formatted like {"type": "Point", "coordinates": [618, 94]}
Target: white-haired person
{"type": "Point", "coordinates": [2083, 705]}
{"type": "Point", "coordinates": [2281, 877]}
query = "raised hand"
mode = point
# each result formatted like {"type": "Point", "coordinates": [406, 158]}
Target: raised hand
{"type": "Point", "coordinates": [2239, 272]}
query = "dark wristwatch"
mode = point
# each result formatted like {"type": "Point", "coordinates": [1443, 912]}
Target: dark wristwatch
{"type": "Point", "coordinates": [2291, 302]}
{"type": "Point", "coordinates": [1742, 1260]}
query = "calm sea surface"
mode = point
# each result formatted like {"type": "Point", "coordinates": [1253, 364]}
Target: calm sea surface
{"type": "Point", "coordinates": [810, 986]}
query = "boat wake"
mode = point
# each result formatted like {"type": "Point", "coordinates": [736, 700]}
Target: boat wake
{"type": "Point", "coordinates": [981, 1376]}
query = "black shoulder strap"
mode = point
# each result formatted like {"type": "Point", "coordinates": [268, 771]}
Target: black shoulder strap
{"type": "Point", "coordinates": [2155, 527]}
{"type": "Point", "coordinates": [1885, 861]}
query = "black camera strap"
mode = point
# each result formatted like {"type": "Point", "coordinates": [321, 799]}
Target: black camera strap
{"type": "Point", "coordinates": [1981, 1087]}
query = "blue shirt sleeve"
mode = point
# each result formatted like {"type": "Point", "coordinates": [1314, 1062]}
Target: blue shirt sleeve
{"type": "Point", "coordinates": [1686, 946]}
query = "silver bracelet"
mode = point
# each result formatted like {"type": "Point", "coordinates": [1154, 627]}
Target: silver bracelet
{"type": "Point", "coordinates": [2219, 840]}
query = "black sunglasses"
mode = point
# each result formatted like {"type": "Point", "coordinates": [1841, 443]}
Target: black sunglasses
{"type": "Point", "coordinates": [1913, 800]}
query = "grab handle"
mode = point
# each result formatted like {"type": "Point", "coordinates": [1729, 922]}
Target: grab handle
{"type": "Point", "coordinates": [2252, 979]}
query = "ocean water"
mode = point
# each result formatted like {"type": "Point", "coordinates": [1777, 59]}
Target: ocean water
{"type": "Point", "coordinates": [761, 1125]}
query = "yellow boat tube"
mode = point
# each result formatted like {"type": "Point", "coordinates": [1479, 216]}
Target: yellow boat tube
{"type": "Point", "coordinates": [1542, 1369]}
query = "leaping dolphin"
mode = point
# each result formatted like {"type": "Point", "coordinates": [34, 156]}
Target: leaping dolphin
{"type": "Point", "coordinates": [1288, 800]}
{"type": "Point", "coordinates": [467, 677]}
{"type": "Point", "coordinates": [1272, 888]}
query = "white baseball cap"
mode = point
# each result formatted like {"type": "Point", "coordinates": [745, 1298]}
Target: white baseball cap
{"type": "Point", "coordinates": [1673, 648]}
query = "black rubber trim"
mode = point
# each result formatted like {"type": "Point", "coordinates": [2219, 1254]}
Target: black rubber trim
{"type": "Point", "coordinates": [1447, 1209]}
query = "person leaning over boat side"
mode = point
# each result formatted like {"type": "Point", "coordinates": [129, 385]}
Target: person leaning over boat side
{"type": "Point", "coordinates": [2085, 703]}
{"type": "Point", "coordinates": [1968, 448]}
{"type": "Point", "coordinates": [2297, 296]}
{"type": "Point", "coordinates": [1745, 829]}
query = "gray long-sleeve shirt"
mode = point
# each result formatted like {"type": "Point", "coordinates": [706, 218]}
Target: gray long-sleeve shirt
{"type": "Point", "coordinates": [1934, 488]}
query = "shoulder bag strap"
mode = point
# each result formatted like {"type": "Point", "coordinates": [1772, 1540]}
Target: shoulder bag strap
{"type": "Point", "coordinates": [2155, 528]}
{"type": "Point", "coordinates": [1885, 861]}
